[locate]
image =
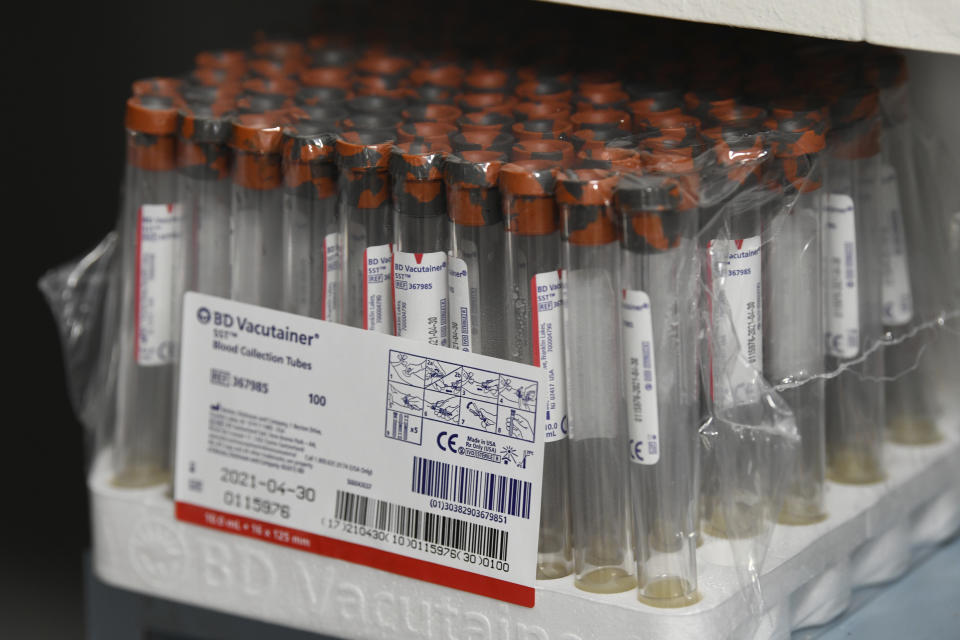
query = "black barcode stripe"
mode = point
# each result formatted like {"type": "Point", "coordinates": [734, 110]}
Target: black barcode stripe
{"type": "Point", "coordinates": [421, 525]}
{"type": "Point", "coordinates": [471, 487]}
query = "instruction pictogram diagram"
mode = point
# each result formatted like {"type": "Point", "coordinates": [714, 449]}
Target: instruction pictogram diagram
{"type": "Point", "coordinates": [421, 388]}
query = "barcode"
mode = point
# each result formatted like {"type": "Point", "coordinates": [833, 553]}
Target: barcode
{"type": "Point", "coordinates": [470, 487]}
{"type": "Point", "coordinates": [421, 525]}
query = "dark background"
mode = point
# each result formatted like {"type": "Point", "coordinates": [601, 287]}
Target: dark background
{"type": "Point", "coordinates": [68, 73]}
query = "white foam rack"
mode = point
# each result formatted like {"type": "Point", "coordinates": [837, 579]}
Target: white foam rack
{"type": "Point", "coordinates": [807, 576]}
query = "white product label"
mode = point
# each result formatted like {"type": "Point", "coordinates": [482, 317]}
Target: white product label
{"type": "Point", "coordinates": [158, 236]}
{"type": "Point", "coordinates": [420, 296]}
{"type": "Point", "coordinates": [641, 371]}
{"type": "Point", "coordinates": [546, 296]}
{"type": "Point", "coordinates": [331, 278]}
{"type": "Point", "coordinates": [742, 293]}
{"type": "Point", "coordinates": [401, 456]}
{"type": "Point", "coordinates": [377, 289]}
{"type": "Point", "coordinates": [842, 304]}
{"type": "Point", "coordinates": [897, 295]}
{"type": "Point", "coordinates": [461, 300]}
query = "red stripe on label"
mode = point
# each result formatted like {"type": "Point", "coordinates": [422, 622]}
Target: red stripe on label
{"type": "Point", "coordinates": [323, 280]}
{"type": "Point", "coordinates": [136, 290]}
{"type": "Point", "coordinates": [393, 294]}
{"type": "Point", "coordinates": [739, 243]}
{"type": "Point", "coordinates": [418, 257]}
{"type": "Point", "coordinates": [366, 303]}
{"type": "Point", "coordinates": [534, 322]}
{"type": "Point", "coordinates": [358, 554]}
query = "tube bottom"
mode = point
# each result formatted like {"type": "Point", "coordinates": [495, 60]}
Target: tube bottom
{"type": "Point", "coordinates": [904, 430]}
{"type": "Point", "coordinates": [553, 569]}
{"type": "Point", "coordinates": [141, 476]}
{"type": "Point", "coordinates": [746, 521]}
{"type": "Point", "coordinates": [850, 466]}
{"type": "Point", "coordinates": [798, 511]}
{"type": "Point", "coordinates": [671, 592]}
{"type": "Point", "coordinates": [606, 580]}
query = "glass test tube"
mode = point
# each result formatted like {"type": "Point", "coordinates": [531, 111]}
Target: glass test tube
{"type": "Point", "coordinates": [420, 251]}
{"type": "Point", "coordinates": [256, 210]}
{"type": "Point", "coordinates": [852, 294]}
{"type": "Point", "coordinates": [203, 163]}
{"type": "Point", "coordinates": [793, 351]}
{"type": "Point", "coordinates": [311, 238]}
{"type": "Point", "coordinates": [660, 273]}
{"type": "Point", "coordinates": [150, 228]}
{"type": "Point", "coordinates": [366, 223]}
{"type": "Point", "coordinates": [476, 263]}
{"type": "Point", "coordinates": [908, 260]}
{"type": "Point", "coordinates": [534, 326]}
{"type": "Point", "coordinates": [590, 254]}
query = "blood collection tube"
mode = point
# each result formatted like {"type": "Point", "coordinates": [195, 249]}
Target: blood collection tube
{"type": "Point", "coordinates": [433, 132]}
{"type": "Point", "coordinates": [793, 346]}
{"type": "Point", "coordinates": [366, 223]}
{"type": "Point", "coordinates": [150, 229]}
{"type": "Point", "coordinates": [420, 250]}
{"type": "Point", "coordinates": [476, 274]}
{"type": "Point", "coordinates": [482, 141]}
{"type": "Point", "coordinates": [540, 110]}
{"type": "Point", "coordinates": [560, 152]}
{"type": "Point", "coordinates": [311, 238]}
{"type": "Point", "coordinates": [203, 162]}
{"type": "Point", "coordinates": [659, 325]}
{"type": "Point", "coordinates": [853, 292]}
{"type": "Point", "coordinates": [907, 260]}
{"type": "Point", "coordinates": [534, 324]}
{"type": "Point", "coordinates": [432, 113]}
{"type": "Point", "coordinates": [590, 253]}
{"type": "Point", "coordinates": [542, 129]}
{"type": "Point", "coordinates": [256, 213]}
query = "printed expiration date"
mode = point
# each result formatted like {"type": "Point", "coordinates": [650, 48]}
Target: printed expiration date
{"type": "Point", "coordinates": [271, 485]}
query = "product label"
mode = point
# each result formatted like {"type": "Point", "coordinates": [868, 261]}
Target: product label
{"type": "Point", "coordinates": [897, 295]}
{"type": "Point", "coordinates": [842, 304]}
{"type": "Point", "coordinates": [377, 289]}
{"type": "Point", "coordinates": [546, 295]}
{"type": "Point", "coordinates": [462, 298]}
{"type": "Point", "coordinates": [420, 296]}
{"type": "Point", "coordinates": [641, 371]}
{"type": "Point", "coordinates": [331, 278]}
{"type": "Point", "coordinates": [158, 235]}
{"type": "Point", "coordinates": [406, 457]}
{"type": "Point", "coordinates": [741, 292]}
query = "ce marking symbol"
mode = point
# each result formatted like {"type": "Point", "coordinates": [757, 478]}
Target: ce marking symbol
{"type": "Point", "coordinates": [447, 442]}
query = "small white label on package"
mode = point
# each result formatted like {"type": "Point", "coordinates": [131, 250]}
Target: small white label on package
{"type": "Point", "coordinates": [420, 296]}
{"type": "Point", "coordinates": [641, 371]}
{"type": "Point", "coordinates": [742, 290]}
{"type": "Point", "coordinates": [842, 303]}
{"type": "Point", "coordinates": [407, 457]}
{"type": "Point", "coordinates": [461, 301]}
{"type": "Point", "coordinates": [897, 294]}
{"type": "Point", "coordinates": [378, 289]}
{"type": "Point", "coordinates": [331, 278]}
{"type": "Point", "coordinates": [158, 236]}
{"type": "Point", "coordinates": [546, 295]}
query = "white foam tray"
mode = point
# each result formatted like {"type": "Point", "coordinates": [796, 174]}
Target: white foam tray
{"type": "Point", "coordinates": [807, 576]}
{"type": "Point", "coordinates": [927, 25]}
